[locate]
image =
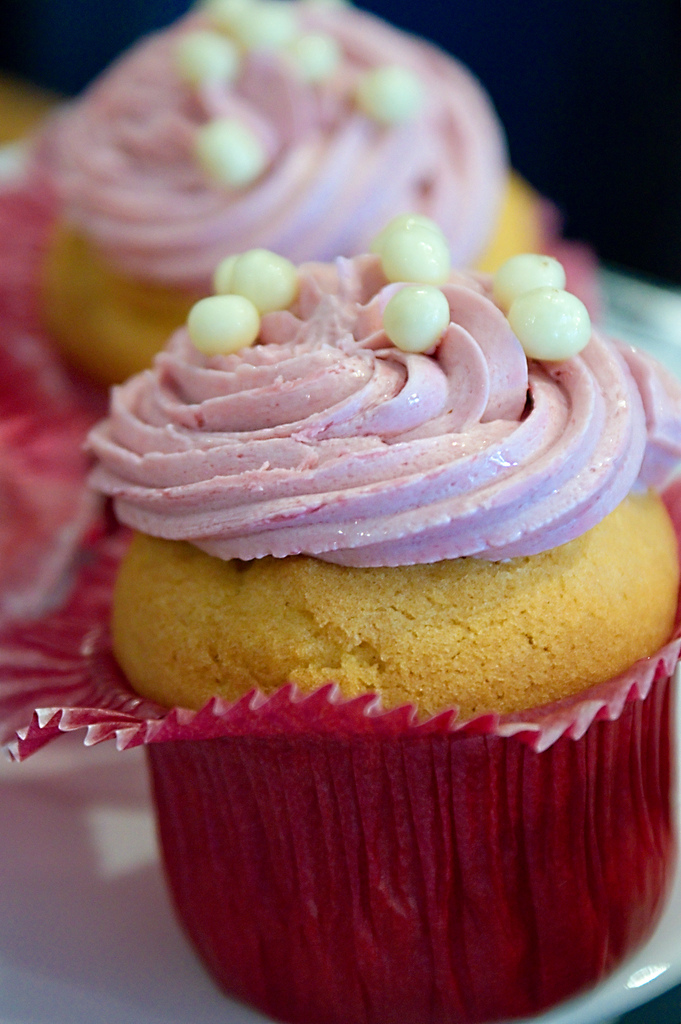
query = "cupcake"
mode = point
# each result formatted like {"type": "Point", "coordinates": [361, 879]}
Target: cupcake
{"type": "Point", "coordinates": [397, 624]}
{"type": "Point", "coordinates": [340, 438]}
{"type": "Point", "coordinates": [296, 126]}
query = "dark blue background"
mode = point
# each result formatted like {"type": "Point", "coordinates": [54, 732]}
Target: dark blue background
{"type": "Point", "coordinates": [589, 91]}
{"type": "Point", "coordinates": [664, 1010]}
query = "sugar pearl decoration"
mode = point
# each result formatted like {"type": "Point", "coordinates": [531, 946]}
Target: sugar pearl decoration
{"type": "Point", "coordinates": [316, 56]}
{"type": "Point", "coordinates": [415, 253]}
{"type": "Point", "coordinates": [267, 25]}
{"type": "Point", "coordinates": [416, 317]}
{"type": "Point", "coordinates": [524, 272]}
{"type": "Point", "coordinates": [225, 13]}
{"type": "Point", "coordinates": [230, 152]}
{"type": "Point", "coordinates": [268, 280]}
{"type": "Point", "coordinates": [222, 278]}
{"type": "Point", "coordinates": [390, 94]}
{"type": "Point", "coordinates": [550, 324]}
{"type": "Point", "coordinates": [222, 324]}
{"type": "Point", "coordinates": [403, 222]}
{"type": "Point", "coordinates": [206, 57]}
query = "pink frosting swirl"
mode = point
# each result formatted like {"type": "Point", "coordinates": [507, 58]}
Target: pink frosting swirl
{"type": "Point", "coordinates": [326, 440]}
{"type": "Point", "coordinates": [123, 159]}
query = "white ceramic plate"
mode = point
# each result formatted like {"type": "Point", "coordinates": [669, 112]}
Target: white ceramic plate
{"type": "Point", "coordinates": [86, 930]}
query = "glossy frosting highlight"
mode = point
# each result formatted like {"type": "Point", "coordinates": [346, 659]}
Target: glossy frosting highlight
{"type": "Point", "coordinates": [325, 439]}
{"type": "Point", "coordinates": [124, 162]}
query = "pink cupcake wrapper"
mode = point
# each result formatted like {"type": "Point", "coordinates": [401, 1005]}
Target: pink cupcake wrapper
{"type": "Point", "coordinates": [425, 878]}
{"type": "Point", "coordinates": [335, 863]}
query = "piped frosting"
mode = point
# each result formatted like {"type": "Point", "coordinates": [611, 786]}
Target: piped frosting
{"type": "Point", "coordinates": [306, 172]}
{"type": "Point", "coordinates": [324, 438]}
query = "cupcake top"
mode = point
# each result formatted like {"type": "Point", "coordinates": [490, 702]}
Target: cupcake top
{"type": "Point", "coordinates": [366, 416]}
{"type": "Point", "coordinates": [302, 126]}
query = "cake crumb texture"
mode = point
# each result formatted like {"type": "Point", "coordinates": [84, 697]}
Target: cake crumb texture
{"type": "Point", "coordinates": [480, 635]}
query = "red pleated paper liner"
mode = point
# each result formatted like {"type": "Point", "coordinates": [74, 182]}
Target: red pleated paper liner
{"type": "Point", "coordinates": [336, 864]}
{"type": "Point", "coordinates": [417, 878]}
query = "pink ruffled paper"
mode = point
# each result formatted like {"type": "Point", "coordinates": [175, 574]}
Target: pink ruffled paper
{"type": "Point", "coordinates": [425, 878]}
{"type": "Point", "coordinates": [45, 508]}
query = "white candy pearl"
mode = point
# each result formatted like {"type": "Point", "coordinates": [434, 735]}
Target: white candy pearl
{"type": "Point", "coordinates": [230, 152]}
{"type": "Point", "coordinates": [268, 25]}
{"type": "Point", "coordinates": [268, 280]}
{"type": "Point", "coordinates": [316, 56]}
{"type": "Point", "coordinates": [222, 278]}
{"type": "Point", "coordinates": [524, 272]}
{"type": "Point", "coordinates": [222, 324]}
{"type": "Point", "coordinates": [206, 57]}
{"type": "Point", "coordinates": [390, 94]}
{"type": "Point", "coordinates": [550, 323]}
{"type": "Point", "coordinates": [225, 13]}
{"type": "Point", "coordinates": [416, 317]}
{"type": "Point", "coordinates": [415, 254]}
{"type": "Point", "coordinates": [403, 222]}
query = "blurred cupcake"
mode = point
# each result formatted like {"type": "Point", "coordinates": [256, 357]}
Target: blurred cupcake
{"type": "Point", "coordinates": [382, 484]}
{"type": "Point", "coordinates": [301, 127]}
